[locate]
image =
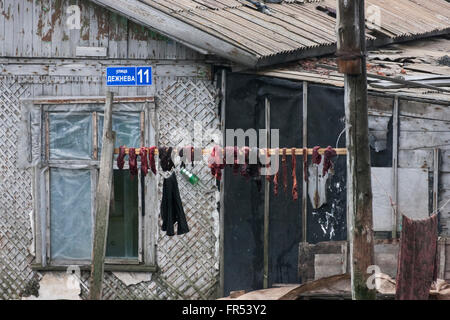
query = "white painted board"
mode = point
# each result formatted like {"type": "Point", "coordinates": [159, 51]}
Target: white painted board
{"type": "Point", "coordinates": [412, 195]}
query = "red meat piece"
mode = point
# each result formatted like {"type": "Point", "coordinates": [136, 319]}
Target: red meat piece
{"type": "Point", "coordinates": [327, 155]}
{"type": "Point", "coordinates": [121, 157]}
{"type": "Point", "coordinates": [275, 183]}
{"type": "Point", "coordinates": [284, 168]}
{"type": "Point", "coordinates": [216, 162]}
{"type": "Point", "coordinates": [268, 165]}
{"type": "Point", "coordinates": [151, 159]}
{"type": "Point", "coordinates": [245, 167]}
{"type": "Point", "coordinates": [144, 161]}
{"type": "Point", "coordinates": [132, 161]}
{"type": "Point", "coordinates": [294, 175]}
{"type": "Point", "coordinates": [316, 157]}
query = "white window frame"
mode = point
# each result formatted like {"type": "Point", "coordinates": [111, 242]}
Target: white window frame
{"type": "Point", "coordinates": [41, 210]}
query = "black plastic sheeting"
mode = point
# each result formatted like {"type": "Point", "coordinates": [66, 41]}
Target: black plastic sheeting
{"type": "Point", "coordinates": [244, 205]}
{"type": "Point", "coordinates": [326, 122]}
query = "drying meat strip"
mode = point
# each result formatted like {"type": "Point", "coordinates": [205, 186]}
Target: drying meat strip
{"type": "Point", "coordinates": [192, 156]}
{"type": "Point", "coordinates": [245, 165]}
{"type": "Point", "coordinates": [132, 161]}
{"type": "Point", "coordinates": [305, 164]}
{"type": "Point", "coordinates": [181, 154]}
{"type": "Point", "coordinates": [316, 157]}
{"type": "Point", "coordinates": [233, 153]}
{"type": "Point", "coordinates": [216, 163]}
{"type": "Point", "coordinates": [294, 175]}
{"type": "Point", "coordinates": [254, 169]}
{"type": "Point", "coordinates": [121, 157]}
{"type": "Point", "coordinates": [144, 161]}
{"type": "Point", "coordinates": [235, 163]}
{"type": "Point", "coordinates": [268, 165]}
{"type": "Point", "coordinates": [284, 168]}
{"type": "Point", "coordinates": [327, 155]}
{"type": "Point", "coordinates": [229, 153]}
{"type": "Point", "coordinates": [151, 159]}
{"type": "Point", "coordinates": [275, 183]}
{"type": "Point", "coordinates": [165, 158]}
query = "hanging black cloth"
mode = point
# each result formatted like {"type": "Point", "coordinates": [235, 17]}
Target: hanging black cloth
{"type": "Point", "coordinates": [165, 158]}
{"type": "Point", "coordinates": [172, 208]}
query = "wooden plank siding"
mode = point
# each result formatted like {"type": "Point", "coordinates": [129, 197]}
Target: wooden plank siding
{"type": "Point", "coordinates": [37, 28]}
{"type": "Point", "coordinates": [423, 126]}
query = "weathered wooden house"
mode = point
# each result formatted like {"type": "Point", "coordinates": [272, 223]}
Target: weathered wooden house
{"type": "Point", "coordinates": [214, 63]}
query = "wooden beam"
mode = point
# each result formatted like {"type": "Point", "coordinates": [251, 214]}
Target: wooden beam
{"type": "Point", "coordinates": [305, 180]}
{"type": "Point", "coordinates": [298, 151]}
{"type": "Point", "coordinates": [395, 134]}
{"type": "Point", "coordinates": [442, 262]}
{"type": "Point", "coordinates": [352, 44]}
{"type": "Point", "coordinates": [151, 193]}
{"type": "Point", "coordinates": [436, 158]}
{"type": "Point", "coordinates": [223, 88]}
{"type": "Point", "coordinates": [102, 203]}
{"type": "Point", "coordinates": [266, 204]}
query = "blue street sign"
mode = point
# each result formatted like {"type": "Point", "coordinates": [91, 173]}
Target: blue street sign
{"type": "Point", "coordinates": [128, 76]}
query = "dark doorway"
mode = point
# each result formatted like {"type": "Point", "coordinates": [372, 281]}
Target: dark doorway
{"type": "Point", "coordinates": [244, 204]}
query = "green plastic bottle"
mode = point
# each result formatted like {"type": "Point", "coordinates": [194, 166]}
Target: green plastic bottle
{"type": "Point", "coordinates": [192, 178]}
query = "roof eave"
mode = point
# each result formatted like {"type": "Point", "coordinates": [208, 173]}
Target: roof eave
{"type": "Point", "coordinates": [295, 55]}
{"type": "Point", "coordinates": [206, 43]}
{"type": "Point", "coordinates": [323, 50]}
{"type": "Point", "coordinates": [178, 30]}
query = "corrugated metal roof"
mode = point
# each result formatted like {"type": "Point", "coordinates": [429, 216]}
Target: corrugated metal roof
{"type": "Point", "coordinates": [292, 30]}
{"type": "Point", "coordinates": [425, 61]}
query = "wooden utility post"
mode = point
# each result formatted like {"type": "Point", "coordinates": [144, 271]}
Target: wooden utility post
{"type": "Point", "coordinates": [102, 203]}
{"type": "Point", "coordinates": [351, 50]}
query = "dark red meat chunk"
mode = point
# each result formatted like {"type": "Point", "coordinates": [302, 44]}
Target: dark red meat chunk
{"type": "Point", "coordinates": [121, 157]}
{"type": "Point", "coordinates": [151, 159]}
{"type": "Point", "coordinates": [316, 157]}
{"type": "Point", "coordinates": [132, 161]}
{"type": "Point", "coordinates": [327, 155]}
{"type": "Point", "coordinates": [284, 168]}
{"type": "Point", "coordinates": [144, 161]}
{"type": "Point", "coordinates": [294, 175]}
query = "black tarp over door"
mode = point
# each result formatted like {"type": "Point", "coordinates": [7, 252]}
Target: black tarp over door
{"type": "Point", "coordinates": [244, 205]}
{"type": "Point", "coordinates": [326, 122]}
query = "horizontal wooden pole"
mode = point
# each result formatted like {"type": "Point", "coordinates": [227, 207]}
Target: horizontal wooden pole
{"type": "Point", "coordinates": [298, 151]}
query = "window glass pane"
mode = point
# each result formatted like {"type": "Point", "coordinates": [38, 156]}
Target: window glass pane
{"type": "Point", "coordinates": [70, 136]}
{"type": "Point", "coordinates": [127, 127]}
{"type": "Point", "coordinates": [123, 224]}
{"type": "Point", "coordinates": [70, 214]}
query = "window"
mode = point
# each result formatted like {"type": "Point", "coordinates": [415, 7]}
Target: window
{"type": "Point", "coordinates": [70, 214]}
{"type": "Point", "coordinates": [66, 182]}
{"type": "Point", "coordinates": [122, 240]}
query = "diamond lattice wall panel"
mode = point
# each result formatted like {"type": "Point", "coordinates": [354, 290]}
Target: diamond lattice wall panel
{"type": "Point", "coordinates": [188, 264]}
{"type": "Point", "coordinates": [15, 197]}
{"type": "Point", "coordinates": [187, 111]}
